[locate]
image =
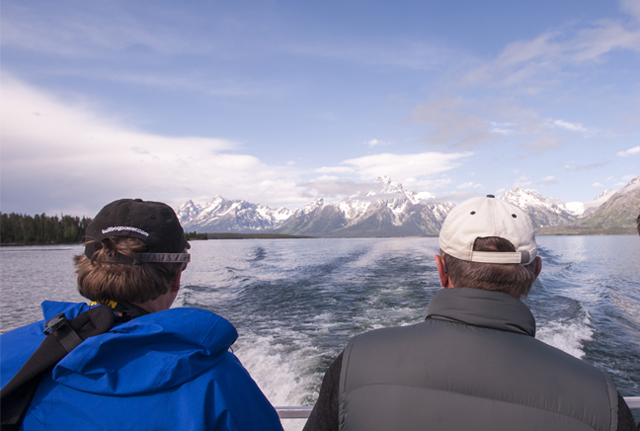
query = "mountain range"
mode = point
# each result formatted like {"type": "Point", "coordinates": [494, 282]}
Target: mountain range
{"type": "Point", "coordinates": [387, 209]}
{"type": "Point", "coordinates": [616, 214]}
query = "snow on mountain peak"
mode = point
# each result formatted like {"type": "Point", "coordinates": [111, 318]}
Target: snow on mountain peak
{"type": "Point", "coordinates": [542, 211]}
{"type": "Point", "coordinates": [417, 197]}
{"type": "Point", "coordinates": [188, 207]}
{"type": "Point", "coordinates": [382, 203]}
{"type": "Point", "coordinates": [576, 208]}
{"type": "Point", "coordinates": [582, 209]}
{"type": "Point", "coordinates": [383, 179]}
{"type": "Point", "coordinates": [633, 185]}
{"type": "Point", "coordinates": [188, 211]}
{"type": "Point", "coordinates": [280, 214]}
{"type": "Point", "coordinates": [523, 197]}
{"type": "Point", "coordinates": [603, 194]}
{"type": "Point", "coordinates": [389, 186]}
{"type": "Point", "coordinates": [382, 196]}
{"type": "Point", "coordinates": [310, 207]}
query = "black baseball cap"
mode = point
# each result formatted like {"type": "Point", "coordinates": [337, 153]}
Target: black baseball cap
{"type": "Point", "coordinates": [155, 223]}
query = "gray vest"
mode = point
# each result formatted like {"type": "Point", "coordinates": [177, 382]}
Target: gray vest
{"type": "Point", "coordinates": [474, 364]}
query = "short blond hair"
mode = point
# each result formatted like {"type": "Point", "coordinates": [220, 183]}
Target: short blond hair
{"type": "Point", "coordinates": [102, 280]}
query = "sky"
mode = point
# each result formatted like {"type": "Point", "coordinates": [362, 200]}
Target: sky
{"type": "Point", "coordinates": [282, 102]}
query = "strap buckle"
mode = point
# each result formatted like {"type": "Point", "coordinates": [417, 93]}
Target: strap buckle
{"type": "Point", "coordinates": [55, 323]}
{"type": "Point", "coordinates": [60, 328]}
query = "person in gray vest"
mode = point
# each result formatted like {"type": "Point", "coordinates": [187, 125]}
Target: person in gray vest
{"type": "Point", "coordinates": [474, 362]}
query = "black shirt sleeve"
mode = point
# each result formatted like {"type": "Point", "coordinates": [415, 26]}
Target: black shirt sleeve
{"type": "Point", "coordinates": [324, 416]}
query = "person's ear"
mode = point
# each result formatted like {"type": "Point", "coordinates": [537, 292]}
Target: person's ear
{"type": "Point", "coordinates": [538, 262]}
{"type": "Point", "coordinates": [445, 281]}
{"type": "Point", "coordinates": [175, 286]}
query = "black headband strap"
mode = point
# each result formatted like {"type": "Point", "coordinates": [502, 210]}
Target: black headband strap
{"type": "Point", "coordinates": [150, 257]}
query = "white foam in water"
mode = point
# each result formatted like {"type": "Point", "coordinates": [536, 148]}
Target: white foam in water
{"type": "Point", "coordinates": [568, 336]}
{"type": "Point", "coordinates": [283, 373]}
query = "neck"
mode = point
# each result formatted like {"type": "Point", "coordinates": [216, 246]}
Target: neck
{"type": "Point", "coordinates": [162, 302]}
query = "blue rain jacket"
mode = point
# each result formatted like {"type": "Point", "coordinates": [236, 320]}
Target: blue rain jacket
{"type": "Point", "coordinates": [170, 370]}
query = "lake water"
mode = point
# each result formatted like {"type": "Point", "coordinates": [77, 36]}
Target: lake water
{"type": "Point", "coordinates": [296, 303]}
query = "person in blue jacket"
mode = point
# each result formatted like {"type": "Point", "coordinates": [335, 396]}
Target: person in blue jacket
{"type": "Point", "coordinates": [164, 369]}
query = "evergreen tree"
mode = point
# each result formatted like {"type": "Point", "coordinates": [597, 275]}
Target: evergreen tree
{"type": "Point", "coordinates": [41, 229]}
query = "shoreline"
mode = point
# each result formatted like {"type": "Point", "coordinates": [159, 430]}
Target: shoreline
{"type": "Point", "coordinates": [232, 235]}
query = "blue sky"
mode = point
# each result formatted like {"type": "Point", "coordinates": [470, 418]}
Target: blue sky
{"type": "Point", "coordinates": [280, 102]}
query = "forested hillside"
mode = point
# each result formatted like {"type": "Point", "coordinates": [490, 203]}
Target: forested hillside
{"type": "Point", "coordinates": [41, 229]}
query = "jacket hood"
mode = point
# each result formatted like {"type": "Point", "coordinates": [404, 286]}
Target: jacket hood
{"type": "Point", "coordinates": [151, 353]}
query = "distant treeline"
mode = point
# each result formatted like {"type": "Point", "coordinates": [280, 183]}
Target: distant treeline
{"type": "Point", "coordinates": [230, 235]}
{"type": "Point", "coordinates": [41, 229]}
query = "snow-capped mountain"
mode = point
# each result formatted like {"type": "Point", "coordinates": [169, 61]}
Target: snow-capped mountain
{"type": "Point", "coordinates": [222, 215]}
{"type": "Point", "coordinates": [387, 209]}
{"type": "Point", "coordinates": [187, 212]}
{"type": "Point", "coordinates": [583, 209]}
{"type": "Point", "coordinates": [542, 211]}
{"type": "Point", "coordinates": [618, 213]}
{"type": "Point", "coordinates": [391, 196]}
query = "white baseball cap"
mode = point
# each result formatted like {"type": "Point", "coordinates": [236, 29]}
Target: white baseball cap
{"type": "Point", "coordinates": [488, 217]}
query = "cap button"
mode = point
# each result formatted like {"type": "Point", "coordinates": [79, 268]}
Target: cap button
{"type": "Point", "coordinates": [137, 200]}
{"type": "Point", "coordinates": [490, 196]}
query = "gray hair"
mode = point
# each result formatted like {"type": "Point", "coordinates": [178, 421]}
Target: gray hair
{"type": "Point", "coordinates": [514, 279]}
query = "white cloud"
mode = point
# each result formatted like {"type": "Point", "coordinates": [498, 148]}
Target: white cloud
{"type": "Point", "coordinates": [542, 142]}
{"type": "Point", "coordinates": [420, 172]}
{"type": "Point", "coordinates": [402, 166]}
{"type": "Point", "coordinates": [629, 152]}
{"type": "Point", "coordinates": [632, 7]}
{"type": "Point", "coordinates": [327, 178]}
{"type": "Point", "coordinates": [88, 32]}
{"type": "Point", "coordinates": [55, 153]}
{"type": "Point", "coordinates": [57, 156]}
{"type": "Point", "coordinates": [549, 180]}
{"type": "Point", "coordinates": [377, 143]}
{"type": "Point", "coordinates": [532, 65]}
{"type": "Point", "coordinates": [573, 127]}
{"type": "Point", "coordinates": [451, 123]}
{"type": "Point", "coordinates": [456, 197]}
{"type": "Point", "coordinates": [522, 182]}
{"type": "Point", "coordinates": [334, 189]}
{"type": "Point", "coordinates": [99, 30]}
{"type": "Point", "coordinates": [577, 168]}
{"type": "Point", "coordinates": [465, 123]}
{"type": "Point", "coordinates": [427, 183]}
{"type": "Point", "coordinates": [470, 185]}
{"type": "Point", "coordinates": [597, 185]}
{"type": "Point", "coordinates": [139, 150]}
{"type": "Point", "coordinates": [334, 170]}
{"type": "Point", "coordinates": [402, 52]}
{"type": "Point", "coordinates": [503, 128]}
{"type": "Point", "coordinates": [410, 181]}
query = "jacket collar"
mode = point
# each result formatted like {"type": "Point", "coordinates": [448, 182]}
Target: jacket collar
{"type": "Point", "coordinates": [495, 310]}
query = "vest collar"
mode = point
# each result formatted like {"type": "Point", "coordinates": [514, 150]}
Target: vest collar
{"type": "Point", "coordinates": [495, 310]}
